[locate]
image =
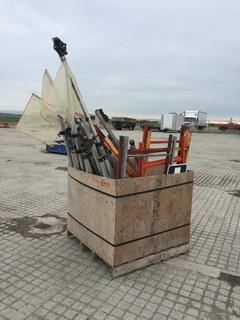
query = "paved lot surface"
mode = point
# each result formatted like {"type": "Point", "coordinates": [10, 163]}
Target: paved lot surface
{"type": "Point", "coordinates": [47, 276]}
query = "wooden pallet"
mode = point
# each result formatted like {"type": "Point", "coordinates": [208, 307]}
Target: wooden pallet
{"type": "Point", "coordinates": [149, 260]}
{"type": "Point", "coordinates": [139, 263]}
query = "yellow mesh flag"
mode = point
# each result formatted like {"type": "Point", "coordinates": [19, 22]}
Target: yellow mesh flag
{"type": "Point", "coordinates": [61, 98]}
{"type": "Point", "coordinates": [32, 124]}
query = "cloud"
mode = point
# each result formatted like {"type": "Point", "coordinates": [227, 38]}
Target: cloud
{"type": "Point", "coordinates": [130, 57]}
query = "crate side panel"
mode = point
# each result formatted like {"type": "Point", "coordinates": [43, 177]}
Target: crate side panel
{"type": "Point", "coordinates": [94, 210]}
{"type": "Point", "coordinates": [104, 250]}
{"type": "Point", "coordinates": [148, 213]}
{"type": "Point", "coordinates": [103, 184]}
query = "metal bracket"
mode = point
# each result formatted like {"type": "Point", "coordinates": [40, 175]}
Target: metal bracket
{"type": "Point", "coordinates": [60, 47]}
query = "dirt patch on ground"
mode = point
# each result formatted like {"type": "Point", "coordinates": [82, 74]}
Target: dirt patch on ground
{"type": "Point", "coordinates": [62, 168]}
{"type": "Point", "coordinates": [232, 280]}
{"type": "Point", "coordinates": [42, 163]}
{"type": "Point", "coordinates": [235, 193]}
{"type": "Point", "coordinates": [37, 227]}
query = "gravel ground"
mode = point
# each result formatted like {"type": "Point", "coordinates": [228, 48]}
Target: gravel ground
{"type": "Point", "coordinates": [44, 275]}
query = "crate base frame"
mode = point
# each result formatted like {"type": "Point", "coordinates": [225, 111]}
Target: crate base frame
{"type": "Point", "coordinates": [149, 260]}
{"type": "Point", "coordinates": [80, 232]}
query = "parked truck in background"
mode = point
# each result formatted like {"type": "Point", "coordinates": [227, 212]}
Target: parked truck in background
{"type": "Point", "coordinates": [195, 118]}
{"type": "Point", "coordinates": [171, 121]}
{"type": "Point", "coordinates": [229, 125]}
{"type": "Point", "coordinates": [119, 123]}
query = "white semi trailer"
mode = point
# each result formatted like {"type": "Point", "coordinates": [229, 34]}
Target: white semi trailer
{"type": "Point", "coordinates": [195, 118]}
{"type": "Point", "coordinates": [171, 122]}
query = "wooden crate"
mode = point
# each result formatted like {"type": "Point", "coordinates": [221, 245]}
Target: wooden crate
{"type": "Point", "coordinates": [130, 223]}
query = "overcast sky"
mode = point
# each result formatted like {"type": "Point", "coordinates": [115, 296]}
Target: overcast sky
{"type": "Point", "coordinates": [129, 57]}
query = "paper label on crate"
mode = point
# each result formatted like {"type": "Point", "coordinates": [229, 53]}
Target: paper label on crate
{"type": "Point", "coordinates": [177, 170]}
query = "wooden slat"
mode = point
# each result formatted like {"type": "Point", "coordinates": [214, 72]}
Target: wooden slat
{"type": "Point", "coordinates": [141, 184]}
{"type": "Point", "coordinates": [144, 247]}
{"type": "Point", "coordinates": [149, 260]}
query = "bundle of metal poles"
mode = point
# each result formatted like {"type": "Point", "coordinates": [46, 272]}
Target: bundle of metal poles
{"type": "Point", "coordinates": [99, 152]}
{"type": "Point", "coordinates": [104, 154]}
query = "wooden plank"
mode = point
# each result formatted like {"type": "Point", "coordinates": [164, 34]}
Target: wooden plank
{"type": "Point", "coordinates": [149, 260]}
{"type": "Point", "coordinates": [172, 208]}
{"type": "Point", "coordinates": [152, 212]}
{"type": "Point", "coordinates": [122, 187]}
{"type": "Point", "coordinates": [103, 184]}
{"type": "Point", "coordinates": [94, 210]}
{"type": "Point", "coordinates": [154, 244]}
{"type": "Point", "coordinates": [118, 255]}
{"type": "Point", "coordinates": [97, 245]}
{"type": "Point", "coordinates": [141, 184]}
